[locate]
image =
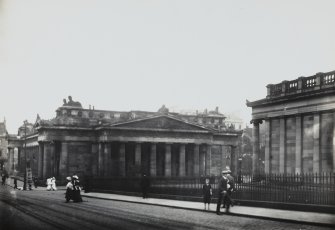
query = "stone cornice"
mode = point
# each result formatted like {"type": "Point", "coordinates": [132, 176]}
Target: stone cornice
{"type": "Point", "coordinates": [292, 97]}
{"type": "Point", "coordinates": [155, 130]}
{"type": "Point", "coordinates": [66, 128]}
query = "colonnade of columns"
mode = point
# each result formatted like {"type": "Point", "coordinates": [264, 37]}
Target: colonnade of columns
{"type": "Point", "coordinates": [57, 158]}
{"type": "Point", "coordinates": [17, 159]}
{"type": "Point", "coordinates": [315, 137]}
{"type": "Point", "coordinates": [200, 157]}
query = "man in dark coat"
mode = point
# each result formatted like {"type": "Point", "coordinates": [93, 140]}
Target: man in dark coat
{"type": "Point", "coordinates": [228, 201]}
{"type": "Point", "coordinates": [145, 184]}
{"type": "Point", "coordinates": [222, 190]}
{"type": "Point", "coordinates": [4, 176]}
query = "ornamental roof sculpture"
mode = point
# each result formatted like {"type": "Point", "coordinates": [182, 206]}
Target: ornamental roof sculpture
{"type": "Point", "coordinates": [71, 103]}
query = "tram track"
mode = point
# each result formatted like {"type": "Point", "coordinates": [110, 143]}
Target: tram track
{"type": "Point", "coordinates": [99, 216]}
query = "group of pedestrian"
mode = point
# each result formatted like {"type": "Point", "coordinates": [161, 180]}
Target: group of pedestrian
{"type": "Point", "coordinates": [73, 189]}
{"type": "Point", "coordinates": [51, 184]}
{"type": "Point", "coordinates": [226, 186]}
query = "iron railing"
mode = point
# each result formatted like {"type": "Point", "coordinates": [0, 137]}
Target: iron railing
{"type": "Point", "coordinates": [318, 189]}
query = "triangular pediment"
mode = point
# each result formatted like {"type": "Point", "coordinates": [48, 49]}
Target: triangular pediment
{"type": "Point", "coordinates": [162, 122]}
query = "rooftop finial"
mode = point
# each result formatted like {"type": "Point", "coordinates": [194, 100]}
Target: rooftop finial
{"type": "Point", "coordinates": [163, 110]}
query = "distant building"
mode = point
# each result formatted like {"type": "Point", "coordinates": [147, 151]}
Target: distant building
{"type": "Point", "coordinates": [114, 143]}
{"type": "Point", "coordinates": [3, 143]}
{"type": "Point", "coordinates": [299, 125]}
{"type": "Point", "coordinates": [235, 121]}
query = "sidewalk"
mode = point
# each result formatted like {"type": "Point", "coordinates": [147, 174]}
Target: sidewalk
{"type": "Point", "coordinates": [313, 218]}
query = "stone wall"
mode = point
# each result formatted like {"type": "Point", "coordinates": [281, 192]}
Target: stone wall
{"type": "Point", "coordinates": [80, 158]}
{"type": "Point", "coordinates": [327, 124]}
{"type": "Point", "coordinates": [216, 160]}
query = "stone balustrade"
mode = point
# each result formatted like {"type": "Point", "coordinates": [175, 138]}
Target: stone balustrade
{"type": "Point", "coordinates": [302, 84]}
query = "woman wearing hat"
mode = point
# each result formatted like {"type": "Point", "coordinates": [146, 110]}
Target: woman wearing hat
{"type": "Point", "coordinates": [69, 189]}
{"type": "Point", "coordinates": [76, 189]}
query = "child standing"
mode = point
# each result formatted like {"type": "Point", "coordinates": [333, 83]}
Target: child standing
{"type": "Point", "coordinates": [207, 193]}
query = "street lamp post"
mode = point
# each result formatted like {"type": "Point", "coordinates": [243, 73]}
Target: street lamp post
{"type": "Point", "coordinates": [240, 169]}
{"type": "Point", "coordinates": [25, 156]}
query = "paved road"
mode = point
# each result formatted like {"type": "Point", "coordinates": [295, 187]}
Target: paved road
{"type": "Point", "coordinates": [47, 210]}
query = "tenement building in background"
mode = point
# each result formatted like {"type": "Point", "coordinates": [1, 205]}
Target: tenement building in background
{"type": "Point", "coordinates": [113, 143]}
{"type": "Point", "coordinates": [299, 119]}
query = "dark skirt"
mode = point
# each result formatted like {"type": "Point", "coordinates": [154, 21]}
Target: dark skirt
{"type": "Point", "coordinates": [77, 196]}
{"type": "Point", "coordinates": [207, 199]}
{"type": "Point", "coordinates": [69, 195]}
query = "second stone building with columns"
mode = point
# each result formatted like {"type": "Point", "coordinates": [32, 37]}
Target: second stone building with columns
{"type": "Point", "coordinates": [299, 120]}
{"type": "Point", "coordinates": [103, 143]}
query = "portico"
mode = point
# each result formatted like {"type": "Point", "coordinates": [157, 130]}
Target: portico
{"type": "Point", "coordinates": [155, 144]}
{"type": "Point", "coordinates": [299, 125]}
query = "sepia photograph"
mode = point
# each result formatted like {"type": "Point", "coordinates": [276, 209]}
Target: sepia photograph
{"type": "Point", "coordinates": [167, 114]}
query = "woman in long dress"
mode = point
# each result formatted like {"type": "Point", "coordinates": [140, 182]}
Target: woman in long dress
{"type": "Point", "coordinates": [69, 190]}
{"type": "Point", "coordinates": [49, 184]}
{"type": "Point", "coordinates": [76, 189]}
{"type": "Point", "coordinates": [53, 184]}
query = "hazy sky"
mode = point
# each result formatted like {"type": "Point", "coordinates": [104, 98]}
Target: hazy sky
{"type": "Point", "coordinates": [137, 55]}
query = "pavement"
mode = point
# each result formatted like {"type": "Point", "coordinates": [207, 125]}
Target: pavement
{"type": "Point", "coordinates": [313, 218]}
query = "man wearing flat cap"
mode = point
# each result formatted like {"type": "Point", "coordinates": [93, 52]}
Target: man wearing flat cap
{"type": "Point", "coordinates": [222, 190]}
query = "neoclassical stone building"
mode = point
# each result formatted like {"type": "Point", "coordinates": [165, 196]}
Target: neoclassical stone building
{"type": "Point", "coordinates": [299, 119]}
{"type": "Point", "coordinates": [113, 143]}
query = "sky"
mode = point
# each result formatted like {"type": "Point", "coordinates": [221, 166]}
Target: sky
{"type": "Point", "coordinates": [140, 54]}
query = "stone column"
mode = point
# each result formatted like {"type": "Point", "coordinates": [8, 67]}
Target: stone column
{"type": "Point", "coordinates": [167, 160]}
{"type": "Point", "coordinates": [267, 164]}
{"type": "Point", "coordinates": [101, 160]}
{"type": "Point", "coordinates": [153, 158]}
{"type": "Point", "coordinates": [19, 159]}
{"type": "Point", "coordinates": [234, 160]}
{"type": "Point", "coordinates": [182, 160]}
{"type": "Point", "coordinates": [10, 160]}
{"type": "Point", "coordinates": [196, 160]}
{"type": "Point", "coordinates": [107, 159]}
{"type": "Point", "coordinates": [138, 158]}
{"type": "Point", "coordinates": [95, 159]}
{"type": "Point", "coordinates": [298, 144]}
{"type": "Point", "coordinates": [16, 163]}
{"type": "Point", "coordinates": [316, 137]}
{"type": "Point", "coordinates": [255, 146]}
{"type": "Point", "coordinates": [282, 146]}
{"type": "Point", "coordinates": [208, 160]}
{"type": "Point", "coordinates": [63, 161]}
{"type": "Point", "coordinates": [40, 160]}
{"type": "Point", "coordinates": [334, 142]}
{"type": "Point", "coordinates": [122, 164]}
{"type": "Point", "coordinates": [53, 159]}
{"type": "Point", "coordinates": [47, 164]}
{"type": "Point", "coordinates": [202, 160]}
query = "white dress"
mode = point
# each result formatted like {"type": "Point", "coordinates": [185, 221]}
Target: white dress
{"type": "Point", "coordinates": [53, 184]}
{"type": "Point", "coordinates": [49, 184]}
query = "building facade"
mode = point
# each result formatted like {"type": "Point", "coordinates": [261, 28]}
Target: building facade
{"type": "Point", "coordinates": [113, 143]}
{"type": "Point", "coordinates": [3, 144]}
{"type": "Point", "coordinates": [299, 120]}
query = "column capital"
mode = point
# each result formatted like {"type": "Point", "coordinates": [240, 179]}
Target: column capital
{"type": "Point", "coordinates": [256, 121]}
